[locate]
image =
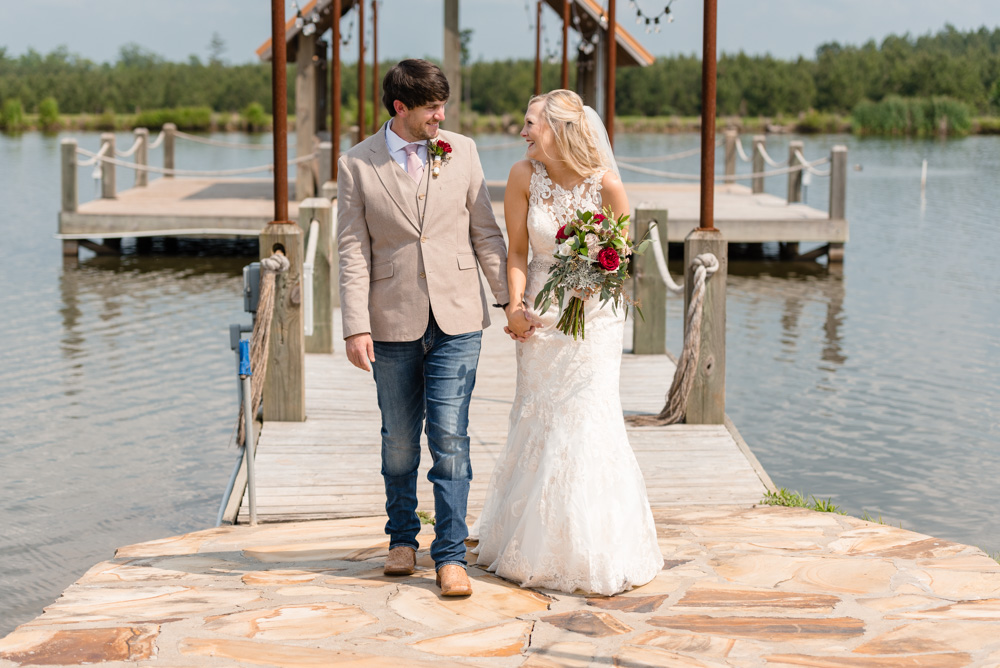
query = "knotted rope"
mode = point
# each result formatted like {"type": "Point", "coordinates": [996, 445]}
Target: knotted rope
{"type": "Point", "coordinates": [261, 337]}
{"type": "Point", "coordinates": [675, 408]}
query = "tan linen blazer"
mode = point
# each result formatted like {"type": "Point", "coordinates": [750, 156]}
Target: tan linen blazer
{"type": "Point", "coordinates": [407, 248]}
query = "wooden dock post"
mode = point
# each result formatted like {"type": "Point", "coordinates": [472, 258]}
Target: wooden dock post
{"type": "Point", "coordinates": [169, 140]}
{"type": "Point", "coordinates": [285, 386]}
{"type": "Point", "coordinates": [108, 189]}
{"type": "Point", "coordinates": [142, 157]}
{"type": "Point", "coordinates": [757, 184]}
{"type": "Point", "coordinates": [323, 288]}
{"type": "Point", "coordinates": [794, 177]}
{"type": "Point", "coordinates": [731, 136]}
{"type": "Point", "coordinates": [305, 113]}
{"type": "Point", "coordinates": [70, 196]}
{"type": "Point", "coordinates": [649, 332]}
{"type": "Point", "coordinates": [838, 195]}
{"type": "Point", "coordinates": [707, 401]}
{"type": "Point", "coordinates": [324, 152]}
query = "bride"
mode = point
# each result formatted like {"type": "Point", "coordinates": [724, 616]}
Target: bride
{"type": "Point", "coordinates": [566, 507]}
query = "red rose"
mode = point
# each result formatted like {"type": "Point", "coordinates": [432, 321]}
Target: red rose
{"type": "Point", "coordinates": [445, 146]}
{"type": "Point", "coordinates": [599, 218]}
{"type": "Point", "coordinates": [608, 259]}
{"type": "Point", "coordinates": [563, 234]}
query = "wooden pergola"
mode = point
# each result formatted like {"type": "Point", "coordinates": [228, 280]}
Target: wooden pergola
{"type": "Point", "coordinates": [306, 46]}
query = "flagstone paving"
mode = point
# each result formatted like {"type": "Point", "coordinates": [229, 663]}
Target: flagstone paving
{"type": "Point", "coordinates": [742, 586]}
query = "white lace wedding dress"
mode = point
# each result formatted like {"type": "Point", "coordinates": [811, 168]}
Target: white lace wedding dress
{"type": "Point", "coordinates": [566, 507]}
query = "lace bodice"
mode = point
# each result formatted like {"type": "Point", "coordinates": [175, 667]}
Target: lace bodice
{"type": "Point", "coordinates": [550, 206]}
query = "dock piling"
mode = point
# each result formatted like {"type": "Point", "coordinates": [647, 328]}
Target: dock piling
{"type": "Point", "coordinates": [284, 383]}
{"type": "Point", "coordinates": [731, 136]}
{"type": "Point", "coordinates": [649, 332]}
{"type": "Point", "coordinates": [757, 183]}
{"type": "Point", "coordinates": [325, 293]}
{"type": "Point", "coordinates": [142, 157]}
{"type": "Point", "coordinates": [108, 188]}
{"type": "Point", "coordinates": [838, 195]}
{"type": "Point", "coordinates": [169, 140]}
{"type": "Point", "coordinates": [70, 196]}
{"type": "Point", "coordinates": [795, 176]}
{"type": "Point", "coordinates": [707, 400]}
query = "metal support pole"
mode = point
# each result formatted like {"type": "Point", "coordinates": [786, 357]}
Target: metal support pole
{"type": "Point", "coordinates": [564, 81]}
{"type": "Point", "coordinates": [612, 62]}
{"type": "Point", "coordinates": [361, 70]}
{"type": "Point", "coordinates": [538, 47]}
{"type": "Point", "coordinates": [279, 105]}
{"type": "Point", "coordinates": [375, 105]}
{"type": "Point", "coordinates": [248, 446]}
{"type": "Point", "coordinates": [708, 70]}
{"type": "Point", "coordinates": [335, 92]}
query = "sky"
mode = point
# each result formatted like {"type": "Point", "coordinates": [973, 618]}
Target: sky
{"type": "Point", "coordinates": [177, 29]}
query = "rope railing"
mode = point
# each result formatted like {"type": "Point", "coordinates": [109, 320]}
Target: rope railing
{"type": "Point", "coordinates": [809, 167]}
{"type": "Point", "coordinates": [131, 150]}
{"type": "Point", "coordinates": [675, 408]}
{"type": "Point", "coordinates": [769, 160]}
{"type": "Point", "coordinates": [661, 260]}
{"type": "Point", "coordinates": [215, 142]}
{"type": "Point", "coordinates": [261, 337]}
{"type": "Point", "coordinates": [669, 157]}
{"type": "Point", "coordinates": [739, 150]}
{"type": "Point", "coordinates": [307, 275]}
{"type": "Point", "coordinates": [159, 140]}
{"type": "Point", "coordinates": [185, 172]}
{"type": "Point", "coordinates": [94, 157]}
{"type": "Point", "coordinates": [693, 177]}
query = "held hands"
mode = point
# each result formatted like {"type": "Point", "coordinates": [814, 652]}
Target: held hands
{"type": "Point", "coordinates": [521, 324]}
{"type": "Point", "coordinates": [360, 351]}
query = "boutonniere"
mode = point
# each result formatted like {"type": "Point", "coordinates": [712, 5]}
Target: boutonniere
{"type": "Point", "coordinates": [440, 152]}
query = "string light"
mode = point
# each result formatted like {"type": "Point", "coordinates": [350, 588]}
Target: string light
{"type": "Point", "coordinates": [652, 23]}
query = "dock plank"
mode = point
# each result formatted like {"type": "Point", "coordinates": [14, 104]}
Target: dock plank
{"type": "Point", "coordinates": [328, 466]}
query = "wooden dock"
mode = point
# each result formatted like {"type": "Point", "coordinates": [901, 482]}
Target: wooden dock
{"type": "Point", "coordinates": [328, 466]}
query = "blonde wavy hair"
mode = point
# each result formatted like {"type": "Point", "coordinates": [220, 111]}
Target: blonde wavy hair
{"type": "Point", "coordinates": [577, 145]}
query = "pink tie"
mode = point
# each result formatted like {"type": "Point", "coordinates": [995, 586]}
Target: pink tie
{"type": "Point", "coordinates": [414, 167]}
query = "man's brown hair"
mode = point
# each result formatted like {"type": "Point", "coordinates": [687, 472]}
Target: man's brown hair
{"type": "Point", "coordinates": [414, 82]}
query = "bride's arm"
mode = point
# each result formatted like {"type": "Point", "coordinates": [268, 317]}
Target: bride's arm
{"type": "Point", "coordinates": [515, 211]}
{"type": "Point", "coordinates": [613, 194]}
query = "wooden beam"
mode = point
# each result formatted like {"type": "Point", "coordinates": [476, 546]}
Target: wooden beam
{"type": "Point", "coordinates": [612, 61]}
{"type": "Point", "coordinates": [375, 87]}
{"type": "Point", "coordinates": [538, 47]}
{"type": "Point", "coordinates": [453, 61]}
{"type": "Point", "coordinates": [564, 81]}
{"type": "Point", "coordinates": [708, 73]}
{"type": "Point", "coordinates": [279, 105]}
{"type": "Point", "coordinates": [335, 91]}
{"type": "Point", "coordinates": [361, 70]}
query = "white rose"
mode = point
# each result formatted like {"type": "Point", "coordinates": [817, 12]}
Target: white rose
{"type": "Point", "coordinates": [564, 249]}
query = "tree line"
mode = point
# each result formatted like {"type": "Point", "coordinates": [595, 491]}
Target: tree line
{"type": "Point", "coordinates": [960, 65]}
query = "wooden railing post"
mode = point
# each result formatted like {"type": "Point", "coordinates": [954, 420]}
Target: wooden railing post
{"type": "Point", "coordinates": [649, 332]}
{"type": "Point", "coordinates": [321, 340]}
{"type": "Point", "coordinates": [142, 157]}
{"type": "Point", "coordinates": [794, 177]}
{"type": "Point", "coordinates": [70, 195]}
{"type": "Point", "coordinates": [707, 401]}
{"type": "Point", "coordinates": [284, 386]}
{"type": "Point", "coordinates": [731, 137]}
{"type": "Point", "coordinates": [305, 114]}
{"type": "Point", "coordinates": [324, 151]}
{"type": "Point", "coordinates": [169, 139]}
{"type": "Point", "coordinates": [108, 189]}
{"type": "Point", "coordinates": [757, 184]}
{"type": "Point", "coordinates": [838, 195]}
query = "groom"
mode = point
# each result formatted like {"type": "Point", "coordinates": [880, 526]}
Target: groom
{"type": "Point", "coordinates": [414, 225]}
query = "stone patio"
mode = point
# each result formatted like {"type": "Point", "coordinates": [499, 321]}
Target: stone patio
{"type": "Point", "coordinates": [742, 586]}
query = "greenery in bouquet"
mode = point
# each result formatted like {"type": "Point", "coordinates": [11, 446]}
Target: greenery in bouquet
{"type": "Point", "coordinates": [591, 260]}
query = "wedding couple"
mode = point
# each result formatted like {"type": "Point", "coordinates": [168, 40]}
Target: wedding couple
{"type": "Point", "coordinates": [566, 507]}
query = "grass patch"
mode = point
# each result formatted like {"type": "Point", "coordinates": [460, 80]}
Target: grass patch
{"type": "Point", "coordinates": [426, 517]}
{"type": "Point", "coordinates": [895, 116]}
{"type": "Point", "coordinates": [789, 499]}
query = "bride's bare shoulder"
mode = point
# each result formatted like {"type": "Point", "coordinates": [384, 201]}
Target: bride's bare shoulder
{"type": "Point", "coordinates": [520, 175]}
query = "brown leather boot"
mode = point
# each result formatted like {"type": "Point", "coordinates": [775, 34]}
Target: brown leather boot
{"type": "Point", "coordinates": [401, 561]}
{"type": "Point", "coordinates": [454, 581]}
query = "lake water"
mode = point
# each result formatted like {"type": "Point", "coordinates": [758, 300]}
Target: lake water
{"type": "Point", "coordinates": [876, 384]}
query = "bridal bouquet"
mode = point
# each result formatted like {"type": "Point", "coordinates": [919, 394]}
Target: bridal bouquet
{"type": "Point", "coordinates": [592, 258]}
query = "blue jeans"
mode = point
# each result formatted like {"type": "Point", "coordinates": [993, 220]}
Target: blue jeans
{"type": "Point", "coordinates": [430, 378]}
